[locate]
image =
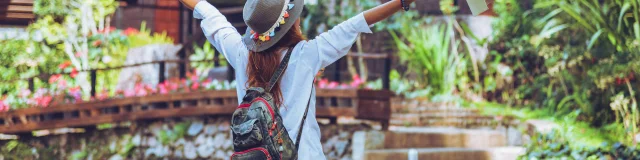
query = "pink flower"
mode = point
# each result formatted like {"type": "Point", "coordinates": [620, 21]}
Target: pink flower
{"type": "Point", "coordinates": [62, 84]}
{"type": "Point", "coordinates": [356, 78]}
{"type": "Point", "coordinates": [44, 101]}
{"type": "Point", "coordinates": [323, 83]}
{"type": "Point", "coordinates": [54, 78]}
{"type": "Point", "coordinates": [140, 90]}
{"type": "Point", "coordinates": [82, 53]}
{"type": "Point", "coordinates": [64, 65]}
{"type": "Point", "coordinates": [25, 93]}
{"type": "Point", "coordinates": [162, 88]}
{"type": "Point", "coordinates": [3, 106]}
{"type": "Point", "coordinates": [129, 93]}
{"type": "Point", "coordinates": [356, 81]}
{"type": "Point", "coordinates": [332, 85]}
{"type": "Point", "coordinates": [195, 86]}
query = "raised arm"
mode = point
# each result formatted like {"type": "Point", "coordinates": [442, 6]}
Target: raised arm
{"type": "Point", "coordinates": [217, 30]}
{"type": "Point", "coordinates": [336, 43]}
{"type": "Point", "coordinates": [384, 11]}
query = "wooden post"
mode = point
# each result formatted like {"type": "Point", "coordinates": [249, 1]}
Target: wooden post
{"type": "Point", "coordinates": [181, 24]}
{"type": "Point", "coordinates": [231, 73]}
{"type": "Point", "coordinates": [182, 68]}
{"type": "Point", "coordinates": [190, 25]}
{"type": "Point", "coordinates": [337, 70]}
{"type": "Point", "coordinates": [162, 70]}
{"type": "Point", "coordinates": [93, 82]}
{"type": "Point", "coordinates": [32, 85]}
{"type": "Point", "coordinates": [386, 84]}
{"type": "Point", "coordinates": [216, 62]}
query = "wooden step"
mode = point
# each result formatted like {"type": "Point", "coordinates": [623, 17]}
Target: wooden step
{"type": "Point", "coordinates": [427, 137]}
{"type": "Point", "coordinates": [16, 2]}
{"type": "Point", "coordinates": [16, 9]}
{"type": "Point", "coordinates": [499, 153]}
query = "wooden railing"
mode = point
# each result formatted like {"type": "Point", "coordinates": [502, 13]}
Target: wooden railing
{"type": "Point", "coordinates": [331, 103]}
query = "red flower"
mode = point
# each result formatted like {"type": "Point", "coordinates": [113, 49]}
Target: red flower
{"type": "Point", "coordinates": [195, 86]}
{"type": "Point", "coordinates": [74, 73]}
{"type": "Point", "coordinates": [54, 78]}
{"type": "Point", "coordinates": [74, 89]}
{"type": "Point", "coordinates": [64, 65]}
{"type": "Point", "coordinates": [618, 81]}
{"type": "Point", "coordinates": [44, 101]}
{"type": "Point", "coordinates": [97, 43]}
{"type": "Point", "coordinates": [129, 31]}
{"type": "Point", "coordinates": [107, 30]}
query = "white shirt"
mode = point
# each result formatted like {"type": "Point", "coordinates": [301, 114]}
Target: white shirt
{"type": "Point", "coordinates": [307, 58]}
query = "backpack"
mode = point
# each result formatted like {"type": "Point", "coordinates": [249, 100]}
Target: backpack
{"type": "Point", "coordinates": [257, 128]}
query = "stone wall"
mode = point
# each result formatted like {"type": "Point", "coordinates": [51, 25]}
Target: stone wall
{"type": "Point", "coordinates": [179, 138]}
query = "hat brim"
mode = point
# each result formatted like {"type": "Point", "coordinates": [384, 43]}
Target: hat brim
{"type": "Point", "coordinates": [259, 46]}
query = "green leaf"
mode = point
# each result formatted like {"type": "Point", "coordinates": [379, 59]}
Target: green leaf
{"type": "Point", "coordinates": [11, 145]}
{"type": "Point", "coordinates": [594, 38]}
{"type": "Point", "coordinates": [636, 28]}
{"type": "Point", "coordinates": [553, 30]}
{"type": "Point", "coordinates": [624, 9]}
{"type": "Point", "coordinates": [551, 14]}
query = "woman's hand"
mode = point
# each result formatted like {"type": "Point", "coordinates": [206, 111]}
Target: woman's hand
{"type": "Point", "coordinates": [190, 3]}
{"type": "Point", "coordinates": [384, 11]}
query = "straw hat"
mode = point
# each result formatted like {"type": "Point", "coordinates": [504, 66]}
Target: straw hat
{"type": "Point", "coordinates": [268, 21]}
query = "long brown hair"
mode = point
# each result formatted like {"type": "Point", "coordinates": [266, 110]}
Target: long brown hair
{"type": "Point", "coordinates": [263, 64]}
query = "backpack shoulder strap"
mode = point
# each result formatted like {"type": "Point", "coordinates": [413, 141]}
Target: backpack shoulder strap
{"type": "Point", "coordinates": [304, 118]}
{"type": "Point", "coordinates": [283, 66]}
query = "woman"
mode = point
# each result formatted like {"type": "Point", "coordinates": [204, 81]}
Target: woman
{"type": "Point", "coordinates": [273, 30]}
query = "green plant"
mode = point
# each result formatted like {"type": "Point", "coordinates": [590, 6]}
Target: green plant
{"type": "Point", "coordinates": [430, 53]}
{"type": "Point", "coordinates": [553, 145]}
{"type": "Point", "coordinates": [204, 53]}
{"type": "Point", "coordinates": [144, 37]}
{"type": "Point", "coordinates": [615, 21]}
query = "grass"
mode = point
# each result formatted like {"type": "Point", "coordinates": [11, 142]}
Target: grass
{"type": "Point", "coordinates": [580, 134]}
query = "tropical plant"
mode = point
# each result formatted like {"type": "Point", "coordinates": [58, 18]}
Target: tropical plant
{"type": "Point", "coordinates": [430, 52]}
{"type": "Point", "coordinates": [610, 23]}
{"type": "Point", "coordinates": [575, 56]}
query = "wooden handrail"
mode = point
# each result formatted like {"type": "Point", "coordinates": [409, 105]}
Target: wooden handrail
{"type": "Point", "coordinates": [117, 67]}
{"type": "Point", "coordinates": [369, 55]}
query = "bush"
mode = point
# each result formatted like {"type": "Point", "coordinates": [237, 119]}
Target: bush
{"type": "Point", "coordinates": [565, 62]}
{"type": "Point", "coordinates": [554, 146]}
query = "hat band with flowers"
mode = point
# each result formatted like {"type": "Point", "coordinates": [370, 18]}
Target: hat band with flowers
{"type": "Point", "coordinates": [268, 21]}
{"type": "Point", "coordinates": [266, 36]}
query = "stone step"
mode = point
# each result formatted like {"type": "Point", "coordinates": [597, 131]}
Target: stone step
{"type": "Point", "coordinates": [449, 119]}
{"type": "Point", "coordinates": [426, 137]}
{"type": "Point", "coordinates": [496, 153]}
{"type": "Point", "coordinates": [417, 137]}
